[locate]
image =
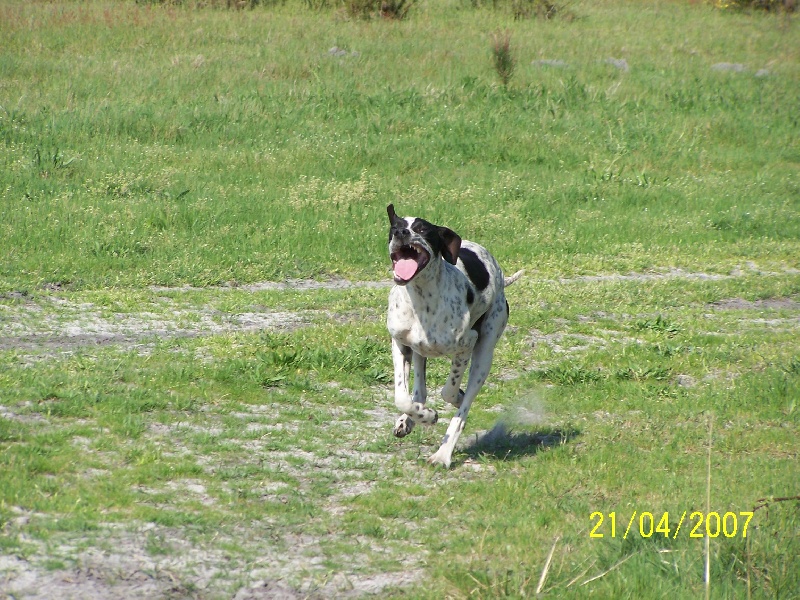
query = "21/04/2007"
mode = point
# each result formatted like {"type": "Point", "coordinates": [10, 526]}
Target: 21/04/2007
{"type": "Point", "coordinates": [712, 524]}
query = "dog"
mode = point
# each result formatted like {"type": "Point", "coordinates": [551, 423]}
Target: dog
{"type": "Point", "coordinates": [448, 300]}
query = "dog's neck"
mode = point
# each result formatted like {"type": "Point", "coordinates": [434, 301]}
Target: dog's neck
{"type": "Point", "coordinates": [428, 280]}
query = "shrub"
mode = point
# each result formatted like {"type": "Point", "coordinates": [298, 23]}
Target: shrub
{"type": "Point", "coordinates": [387, 9]}
{"type": "Point", "coordinates": [540, 9]}
{"type": "Point", "coordinates": [395, 9]}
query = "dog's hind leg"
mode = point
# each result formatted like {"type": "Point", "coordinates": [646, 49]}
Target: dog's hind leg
{"type": "Point", "coordinates": [478, 372]}
{"type": "Point", "coordinates": [451, 392]}
{"type": "Point", "coordinates": [477, 376]}
{"type": "Point", "coordinates": [413, 409]}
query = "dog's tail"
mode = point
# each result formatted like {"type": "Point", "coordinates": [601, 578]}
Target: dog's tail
{"type": "Point", "coordinates": [509, 280]}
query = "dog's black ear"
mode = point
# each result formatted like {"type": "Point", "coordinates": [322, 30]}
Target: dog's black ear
{"type": "Point", "coordinates": [451, 244]}
{"type": "Point", "coordinates": [394, 220]}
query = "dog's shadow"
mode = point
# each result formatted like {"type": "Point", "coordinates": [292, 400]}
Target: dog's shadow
{"type": "Point", "coordinates": [503, 443]}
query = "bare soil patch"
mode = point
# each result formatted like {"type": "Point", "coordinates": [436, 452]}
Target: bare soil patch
{"type": "Point", "coordinates": [153, 561]}
{"type": "Point", "coordinates": [763, 304]}
{"type": "Point", "coordinates": [55, 324]}
{"type": "Point", "coordinates": [334, 283]}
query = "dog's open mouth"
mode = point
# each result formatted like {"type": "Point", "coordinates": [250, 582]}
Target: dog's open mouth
{"type": "Point", "coordinates": [407, 261]}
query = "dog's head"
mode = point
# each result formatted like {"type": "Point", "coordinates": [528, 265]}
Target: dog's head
{"type": "Point", "coordinates": [414, 243]}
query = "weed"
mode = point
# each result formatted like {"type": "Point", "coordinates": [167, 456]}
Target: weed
{"type": "Point", "coordinates": [503, 58]}
{"type": "Point", "coordinates": [643, 373]}
{"type": "Point", "coordinates": [793, 366]}
{"type": "Point", "coordinates": [669, 350]}
{"type": "Point", "coordinates": [659, 324]}
{"type": "Point", "coordinates": [570, 375]}
{"type": "Point", "coordinates": [507, 583]}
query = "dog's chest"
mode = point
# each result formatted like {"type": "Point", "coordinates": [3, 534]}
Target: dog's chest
{"type": "Point", "coordinates": [432, 325]}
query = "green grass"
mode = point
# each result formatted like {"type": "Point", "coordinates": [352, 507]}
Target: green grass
{"type": "Point", "coordinates": [230, 432]}
{"type": "Point", "coordinates": [148, 146]}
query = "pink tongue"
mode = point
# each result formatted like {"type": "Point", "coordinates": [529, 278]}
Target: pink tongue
{"type": "Point", "coordinates": [405, 268]}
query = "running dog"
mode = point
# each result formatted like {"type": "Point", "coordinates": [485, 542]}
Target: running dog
{"type": "Point", "coordinates": [448, 300]}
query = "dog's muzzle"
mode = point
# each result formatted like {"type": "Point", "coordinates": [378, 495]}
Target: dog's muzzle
{"type": "Point", "coordinates": [407, 261]}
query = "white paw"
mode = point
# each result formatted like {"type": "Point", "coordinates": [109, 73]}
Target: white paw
{"type": "Point", "coordinates": [442, 457]}
{"type": "Point", "coordinates": [403, 426]}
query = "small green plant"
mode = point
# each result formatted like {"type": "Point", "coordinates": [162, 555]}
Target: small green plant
{"type": "Point", "coordinates": [570, 375]}
{"type": "Point", "coordinates": [659, 324]}
{"type": "Point", "coordinates": [503, 57]}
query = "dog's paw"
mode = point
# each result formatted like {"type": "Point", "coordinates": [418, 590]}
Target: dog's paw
{"type": "Point", "coordinates": [442, 457]}
{"type": "Point", "coordinates": [403, 426]}
{"type": "Point", "coordinates": [425, 415]}
{"type": "Point", "coordinates": [430, 417]}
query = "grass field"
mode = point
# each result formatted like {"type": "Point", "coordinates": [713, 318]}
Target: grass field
{"type": "Point", "coordinates": [195, 394]}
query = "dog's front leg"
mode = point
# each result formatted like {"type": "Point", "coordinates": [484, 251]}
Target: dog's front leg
{"type": "Point", "coordinates": [413, 409]}
{"type": "Point", "coordinates": [420, 389]}
{"type": "Point", "coordinates": [401, 356]}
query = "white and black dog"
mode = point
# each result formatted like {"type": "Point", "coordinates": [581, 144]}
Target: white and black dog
{"type": "Point", "coordinates": [448, 300]}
